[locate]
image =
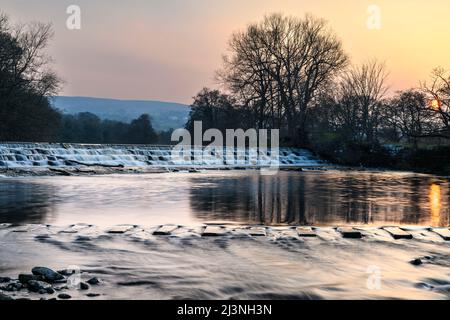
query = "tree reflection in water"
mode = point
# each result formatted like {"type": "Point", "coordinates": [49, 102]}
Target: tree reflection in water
{"type": "Point", "coordinates": [329, 198]}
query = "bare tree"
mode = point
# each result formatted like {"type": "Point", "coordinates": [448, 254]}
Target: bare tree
{"type": "Point", "coordinates": [438, 93]}
{"type": "Point", "coordinates": [26, 82]}
{"type": "Point", "coordinates": [408, 113]}
{"type": "Point", "coordinates": [276, 67]}
{"type": "Point", "coordinates": [362, 91]}
{"type": "Point", "coordinates": [23, 53]}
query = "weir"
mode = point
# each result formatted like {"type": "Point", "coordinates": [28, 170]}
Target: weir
{"type": "Point", "coordinates": [25, 155]}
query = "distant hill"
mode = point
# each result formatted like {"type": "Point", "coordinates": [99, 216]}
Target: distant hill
{"type": "Point", "coordinates": [165, 115]}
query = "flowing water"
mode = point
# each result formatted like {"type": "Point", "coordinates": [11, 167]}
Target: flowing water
{"type": "Point", "coordinates": [36, 212]}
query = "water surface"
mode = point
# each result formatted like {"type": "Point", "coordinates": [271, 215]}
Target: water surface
{"type": "Point", "coordinates": [307, 198]}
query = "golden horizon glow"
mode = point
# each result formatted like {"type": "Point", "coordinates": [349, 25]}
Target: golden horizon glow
{"type": "Point", "coordinates": [169, 50]}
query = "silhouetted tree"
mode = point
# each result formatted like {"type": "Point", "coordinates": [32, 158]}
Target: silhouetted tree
{"type": "Point", "coordinates": [26, 82]}
{"type": "Point", "coordinates": [141, 131]}
{"type": "Point", "coordinates": [216, 110]}
{"type": "Point", "coordinates": [276, 67]}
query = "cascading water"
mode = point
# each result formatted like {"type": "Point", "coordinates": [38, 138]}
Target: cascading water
{"type": "Point", "coordinates": [23, 155]}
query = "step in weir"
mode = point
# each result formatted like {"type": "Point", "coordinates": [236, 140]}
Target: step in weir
{"type": "Point", "coordinates": [26, 155]}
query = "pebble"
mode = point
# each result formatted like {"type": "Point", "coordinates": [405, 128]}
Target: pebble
{"type": "Point", "coordinates": [416, 262]}
{"type": "Point", "coordinates": [38, 286]}
{"type": "Point", "coordinates": [64, 296]}
{"type": "Point", "coordinates": [4, 279]}
{"type": "Point", "coordinates": [84, 286]}
{"type": "Point", "coordinates": [24, 278]}
{"type": "Point", "coordinates": [50, 291]}
{"type": "Point", "coordinates": [93, 295]}
{"type": "Point", "coordinates": [94, 281]}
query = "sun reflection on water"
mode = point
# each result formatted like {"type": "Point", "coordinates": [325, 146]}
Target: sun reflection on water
{"type": "Point", "coordinates": [435, 204]}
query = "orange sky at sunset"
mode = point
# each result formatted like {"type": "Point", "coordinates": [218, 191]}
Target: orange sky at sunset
{"type": "Point", "coordinates": [169, 50]}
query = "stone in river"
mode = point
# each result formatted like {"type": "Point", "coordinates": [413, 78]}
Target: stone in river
{"type": "Point", "coordinates": [64, 296]}
{"type": "Point", "coordinates": [5, 279]}
{"type": "Point", "coordinates": [349, 233]}
{"type": "Point", "coordinates": [257, 232]}
{"type": "Point", "coordinates": [84, 286]}
{"type": "Point", "coordinates": [94, 281]}
{"type": "Point", "coordinates": [120, 229]}
{"type": "Point", "coordinates": [50, 290]}
{"type": "Point", "coordinates": [307, 232]}
{"type": "Point", "coordinates": [165, 230]}
{"type": "Point", "coordinates": [47, 274]}
{"type": "Point", "coordinates": [398, 233]}
{"type": "Point", "coordinates": [444, 233]}
{"type": "Point", "coordinates": [213, 231]}
{"type": "Point", "coordinates": [24, 278]}
{"type": "Point", "coordinates": [416, 262]}
{"type": "Point", "coordinates": [37, 286]}
{"type": "Point", "coordinates": [93, 295]}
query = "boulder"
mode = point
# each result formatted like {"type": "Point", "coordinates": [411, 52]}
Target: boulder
{"type": "Point", "coordinates": [24, 278]}
{"type": "Point", "coordinates": [47, 274]}
{"type": "Point", "coordinates": [38, 286]}
{"type": "Point", "coordinates": [64, 296]}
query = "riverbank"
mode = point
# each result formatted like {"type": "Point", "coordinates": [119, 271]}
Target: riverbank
{"type": "Point", "coordinates": [137, 262]}
{"type": "Point", "coordinates": [427, 159]}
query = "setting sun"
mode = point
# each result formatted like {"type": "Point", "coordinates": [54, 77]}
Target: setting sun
{"type": "Point", "coordinates": [435, 104]}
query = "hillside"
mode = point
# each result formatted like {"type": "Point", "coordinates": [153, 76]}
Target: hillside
{"type": "Point", "coordinates": [165, 115]}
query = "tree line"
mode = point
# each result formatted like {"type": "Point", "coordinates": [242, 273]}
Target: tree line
{"type": "Point", "coordinates": [293, 74]}
{"type": "Point", "coordinates": [26, 83]}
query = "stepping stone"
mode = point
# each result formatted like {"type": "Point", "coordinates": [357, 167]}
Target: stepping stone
{"type": "Point", "coordinates": [165, 230]}
{"type": "Point", "coordinates": [257, 232]}
{"type": "Point", "coordinates": [444, 233]}
{"type": "Point", "coordinates": [349, 233]}
{"type": "Point", "coordinates": [398, 233]}
{"type": "Point", "coordinates": [213, 231]}
{"type": "Point", "coordinates": [120, 229]}
{"type": "Point", "coordinates": [75, 228]}
{"type": "Point", "coordinates": [306, 232]}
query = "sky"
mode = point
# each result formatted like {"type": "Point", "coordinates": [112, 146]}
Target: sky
{"type": "Point", "coordinates": [168, 50]}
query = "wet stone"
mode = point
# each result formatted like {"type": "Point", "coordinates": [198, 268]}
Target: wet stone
{"type": "Point", "coordinates": [93, 295]}
{"type": "Point", "coordinates": [84, 286]}
{"type": "Point", "coordinates": [47, 274]}
{"type": "Point", "coordinates": [349, 233]}
{"type": "Point", "coordinates": [214, 231]}
{"type": "Point", "coordinates": [5, 279]}
{"type": "Point", "coordinates": [64, 296]}
{"type": "Point", "coordinates": [94, 281]}
{"type": "Point", "coordinates": [416, 262]}
{"type": "Point", "coordinates": [66, 273]}
{"type": "Point", "coordinates": [37, 286]}
{"type": "Point", "coordinates": [24, 278]}
{"type": "Point", "coordinates": [257, 232]}
{"type": "Point", "coordinates": [50, 290]}
{"type": "Point", "coordinates": [165, 230]}
{"type": "Point", "coordinates": [443, 233]}
{"type": "Point", "coordinates": [306, 232]}
{"type": "Point", "coordinates": [120, 229]}
{"type": "Point", "coordinates": [398, 233]}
